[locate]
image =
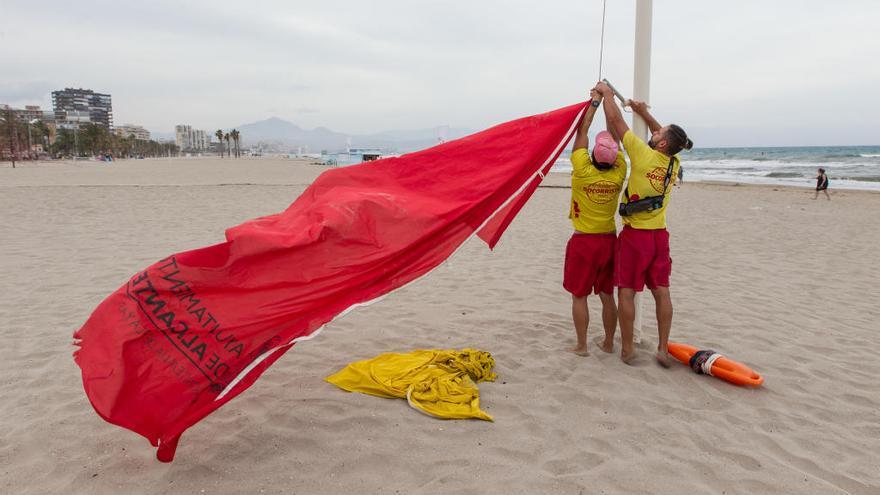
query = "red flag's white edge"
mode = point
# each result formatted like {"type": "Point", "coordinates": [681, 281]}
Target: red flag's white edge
{"type": "Point", "coordinates": [538, 173]}
{"type": "Point", "coordinates": [310, 336]}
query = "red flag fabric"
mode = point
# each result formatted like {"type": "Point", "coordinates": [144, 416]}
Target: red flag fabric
{"type": "Point", "coordinates": [189, 333]}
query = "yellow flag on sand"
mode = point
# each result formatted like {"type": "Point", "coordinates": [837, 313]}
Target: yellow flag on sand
{"type": "Point", "coordinates": [440, 383]}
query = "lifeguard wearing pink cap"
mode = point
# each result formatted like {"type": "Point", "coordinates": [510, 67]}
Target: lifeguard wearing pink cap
{"type": "Point", "coordinates": [605, 150]}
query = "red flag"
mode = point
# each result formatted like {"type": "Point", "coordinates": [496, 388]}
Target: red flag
{"type": "Point", "coordinates": [195, 329]}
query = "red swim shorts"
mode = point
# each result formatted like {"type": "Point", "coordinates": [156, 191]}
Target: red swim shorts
{"type": "Point", "coordinates": [589, 264]}
{"type": "Point", "coordinates": [642, 259]}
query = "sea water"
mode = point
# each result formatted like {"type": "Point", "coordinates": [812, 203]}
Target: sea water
{"type": "Point", "coordinates": [849, 167]}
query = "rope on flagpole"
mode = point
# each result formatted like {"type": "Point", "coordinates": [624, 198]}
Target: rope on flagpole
{"type": "Point", "coordinates": [602, 41]}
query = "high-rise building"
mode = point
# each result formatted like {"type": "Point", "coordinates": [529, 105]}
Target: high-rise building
{"type": "Point", "coordinates": [137, 131]}
{"type": "Point", "coordinates": [191, 139]}
{"type": "Point", "coordinates": [74, 107]}
{"type": "Point", "coordinates": [201, 140]}
{"type": "Point", "coordinates": [183, 136]}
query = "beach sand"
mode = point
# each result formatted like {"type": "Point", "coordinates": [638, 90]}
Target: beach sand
{"type": "Point", "coordinates": [764, 275]}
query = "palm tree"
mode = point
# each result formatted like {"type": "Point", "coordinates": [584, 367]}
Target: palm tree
{"type": "Point", "coordinates": [43, 133]}
{"type": "Point", "coordinates": [65, 143]}
{"type": "Point", "coordinates": [228, 148]}
{"type": "Point", "coordinates": [219, 135]}
{"type": "Point", "coordinates": [235, 137]}
{"type": "Point", "coordinates": [94, 138]}
{"type": "Point", "coordinates": [129, 145]}
{"type": "Point", "coordinates": [10, 121]}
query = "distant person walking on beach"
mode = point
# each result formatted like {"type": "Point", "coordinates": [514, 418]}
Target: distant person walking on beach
{"type": "Point", "coordinates": [643, 246]}
{"type": "Point", "coordinates": [822, 184]}
{"type": "Point", "coordinates": [596, 181]}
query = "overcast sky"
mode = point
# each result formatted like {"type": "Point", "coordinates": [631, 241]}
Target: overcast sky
{"type": "Point", "coordinates": [732, 73]}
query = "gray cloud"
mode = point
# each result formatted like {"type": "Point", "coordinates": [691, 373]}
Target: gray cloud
{"type": "Point", "coordinates": [19, 93]}
{"type": "Point", "coordinates": [304, 110]}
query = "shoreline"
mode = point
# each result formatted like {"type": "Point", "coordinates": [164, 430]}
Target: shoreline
{"type": "Point", "coordinates": [40, 173]}
{"type": "Point", "coordinates": [561, 180]}
{"type": "Point", "coordinates": [838, 185]}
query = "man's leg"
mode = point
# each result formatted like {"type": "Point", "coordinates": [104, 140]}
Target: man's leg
{"type": "Point", "coordinates": [609, 320]}
{"type": "Point", "coordinates": [627, 313]}
{"type": "Point", "coordinates": [816, 196]}
{"type": "Point", "coordinates": [826, 194]}
{"type": "Point", "coordinates": [581, 315]}
{"type": "Point", "coordinates": [663, 302]}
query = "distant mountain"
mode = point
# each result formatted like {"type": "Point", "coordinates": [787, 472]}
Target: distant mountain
{"type": "Point", "coordinates": [410, 140]}
{"type": "Point", "coordinates": [286, 136]}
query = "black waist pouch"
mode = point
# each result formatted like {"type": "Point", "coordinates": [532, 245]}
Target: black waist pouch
{"type": "Point", "coordinates": [645, 204]}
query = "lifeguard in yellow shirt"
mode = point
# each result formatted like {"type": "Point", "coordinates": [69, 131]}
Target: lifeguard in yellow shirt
{"type": "Point", "coordinates": [643, 246]}
{"type": "Point", "coordinates": [596, 181]}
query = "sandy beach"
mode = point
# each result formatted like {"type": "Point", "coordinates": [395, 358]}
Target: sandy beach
{"type": "Point", "coordinates": [764, 275]}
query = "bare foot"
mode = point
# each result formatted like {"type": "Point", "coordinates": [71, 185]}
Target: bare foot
{"type": "Point", "coordinates": [580, 350]}
{"type": "Point", "coordinates": [662, 359]}
{"type": "Point", "coordinates": [605, 345]}
{"type": "Point", "coordinates": [628, 358]}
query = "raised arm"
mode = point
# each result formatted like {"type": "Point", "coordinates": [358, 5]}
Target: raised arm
{"type": "Point", "coordinates": [613, 118]}
{"type": "Point", "coordinates": [610, 129]}
{"type": "Point", "coordinates": [581, 139]}
{"type": "Point", "coordinates": [641, 109]}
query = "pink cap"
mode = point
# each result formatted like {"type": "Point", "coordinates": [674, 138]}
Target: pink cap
{"type": "Point", "coordinates": [605, 149]}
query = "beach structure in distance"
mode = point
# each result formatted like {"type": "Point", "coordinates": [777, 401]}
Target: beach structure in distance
{"type": "Point", "coordinates": [74, 107]}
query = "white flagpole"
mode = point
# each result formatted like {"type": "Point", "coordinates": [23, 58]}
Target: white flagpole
{"type": "Point", "coordinates": [641, 91]}
{"type": "Point", "coordinates": [642, 66]}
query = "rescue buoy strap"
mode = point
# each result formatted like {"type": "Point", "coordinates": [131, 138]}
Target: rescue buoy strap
{"type": "Point", "coordinates": [707, 366]}
{"type": "Point", "coordinates": [698, 359]}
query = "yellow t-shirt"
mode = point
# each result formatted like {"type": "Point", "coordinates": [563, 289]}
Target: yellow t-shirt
{"type": "Point", "coordinates": [594, 193]}
{"type": "Point", "coordinates": [648, 170]}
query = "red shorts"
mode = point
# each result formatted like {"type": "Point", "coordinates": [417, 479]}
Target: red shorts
{"type": "Point", "coordinates": [589, 264]}
{"type": "Point", "coordinates": [642, 259]}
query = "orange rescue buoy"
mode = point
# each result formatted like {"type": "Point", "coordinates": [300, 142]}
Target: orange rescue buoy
{"type": "Point", "coordinates": [716, 365]}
